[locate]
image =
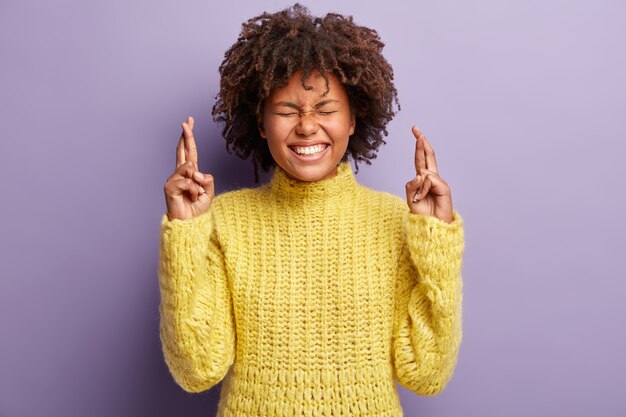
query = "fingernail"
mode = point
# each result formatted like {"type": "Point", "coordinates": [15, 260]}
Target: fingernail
{"type": "Point", "coordinates": [198, 176]}
{"type": "Point", "coordinates": [201, 190]}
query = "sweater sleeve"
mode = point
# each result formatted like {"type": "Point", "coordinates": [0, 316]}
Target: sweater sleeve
{"type": "Point", "coordinates": [427, 324]}
{"type": "Point", "coordinates": [197, 329]}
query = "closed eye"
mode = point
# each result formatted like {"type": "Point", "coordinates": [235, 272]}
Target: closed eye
{"type": "Point", "coordinates": [293, 114]}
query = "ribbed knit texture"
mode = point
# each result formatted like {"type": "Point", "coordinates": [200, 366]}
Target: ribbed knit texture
{"type": "Point", "coordinates": [319, 294]}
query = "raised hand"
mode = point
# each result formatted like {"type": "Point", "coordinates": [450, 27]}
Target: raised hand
{"type": "Point", "coordinates": [428, 193]}
{"type": "Point", "coordinates": [188, 192]}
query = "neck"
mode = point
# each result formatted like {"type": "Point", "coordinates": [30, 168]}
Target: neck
{"type": "Point", "coordinates": [298, 191]}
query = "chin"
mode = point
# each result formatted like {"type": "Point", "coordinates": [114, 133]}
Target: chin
{"type": "Point", "coordinates": [312, 173]}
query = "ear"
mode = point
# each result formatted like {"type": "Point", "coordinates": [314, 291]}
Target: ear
{"type": "Point", "coordinates": [352, 123]}
{"type": "Point", "coordinates": [259, 123]}
{"type": "Point", "coordinates": [262, 131]}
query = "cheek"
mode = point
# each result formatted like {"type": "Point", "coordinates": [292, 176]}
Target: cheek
{"type": "Point", "coordinates": [338, 129]}
{"type": "Point", "coordinates": [278, 127]}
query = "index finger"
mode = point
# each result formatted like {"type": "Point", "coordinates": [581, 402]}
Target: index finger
{"type": "Point", "coordinates": [180, 151]}
{"type": "Point", "coordinates": [190, 144]}
{"type": "Point", "coordinates": [420, 157]}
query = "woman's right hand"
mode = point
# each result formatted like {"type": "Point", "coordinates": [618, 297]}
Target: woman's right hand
{"type": "Point", "coordinates": [188, 192]}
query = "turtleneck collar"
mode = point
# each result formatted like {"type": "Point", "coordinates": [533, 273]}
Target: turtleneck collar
{"type": "Point", "coordinates": [281, 184]}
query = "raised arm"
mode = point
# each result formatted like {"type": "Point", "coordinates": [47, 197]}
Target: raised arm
{"type": "Point", "coordinates": [428, 325]}
{"type": "Point", "coordinates": [197, 327]}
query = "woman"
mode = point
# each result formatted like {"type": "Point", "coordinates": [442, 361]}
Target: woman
{"type": "Point", "coordinates": [311, 294]}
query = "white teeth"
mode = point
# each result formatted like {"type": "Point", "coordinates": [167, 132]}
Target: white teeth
{"type": "Point", "coordinates": [309, 150]}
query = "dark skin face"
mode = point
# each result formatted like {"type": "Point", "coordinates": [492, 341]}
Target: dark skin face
{"type": "Point", "coordinates": [307, 131]}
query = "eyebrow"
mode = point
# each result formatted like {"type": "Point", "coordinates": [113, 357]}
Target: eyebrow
{"type": "Point", "coordinates": [295, 106]}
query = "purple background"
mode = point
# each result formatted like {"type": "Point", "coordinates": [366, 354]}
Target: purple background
{"type": "Point", "coordinates": [523, 103]}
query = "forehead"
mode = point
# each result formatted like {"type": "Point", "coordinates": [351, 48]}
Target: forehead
{"type": "Point", "coordinates": [295, 91]}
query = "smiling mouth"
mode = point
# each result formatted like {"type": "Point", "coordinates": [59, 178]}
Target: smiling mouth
{"type": "Point", "coordinates": [309, 150]}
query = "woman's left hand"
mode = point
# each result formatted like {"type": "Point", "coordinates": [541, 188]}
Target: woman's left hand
{"type": "Point", "coordinates": [428, 193]}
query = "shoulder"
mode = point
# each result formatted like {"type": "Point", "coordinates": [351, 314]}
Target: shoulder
{"type": "Point", "coordinates": [388, 208]}
{"type": "Point", "coordinates": [237, 197]}
{"type": "Point", "coordinates": [237, 205]}
{"type": "Point", "coordinates": [382, 200]}
{"type": "Point", "coordinates": [385, 216]}
{"type": "Point", "coordinates": [233, 210]}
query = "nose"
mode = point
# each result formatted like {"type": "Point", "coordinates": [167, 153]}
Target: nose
{"type": "Point", "coordinates": [307, 125]}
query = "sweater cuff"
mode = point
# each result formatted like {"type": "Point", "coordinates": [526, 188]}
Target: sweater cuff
{"type": "Point", "coordinates": [436, 246]}
{"type": "Point", "coordinates": [178, 234]}
{"type": "Point", "coordinates": [187, 224]}
{"type": "Point", "coordinates": [428, 233]}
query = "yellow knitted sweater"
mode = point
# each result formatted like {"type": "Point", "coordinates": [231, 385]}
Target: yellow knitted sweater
{"type": "Point", "coordinates": [319, 294]}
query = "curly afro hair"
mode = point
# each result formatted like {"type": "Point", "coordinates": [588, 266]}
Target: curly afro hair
{"type": "Point", "coordinates": [273, 46]}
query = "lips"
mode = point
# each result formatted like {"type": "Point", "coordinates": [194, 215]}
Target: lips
{"type": "Point", "coordinates": [310, 149]}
